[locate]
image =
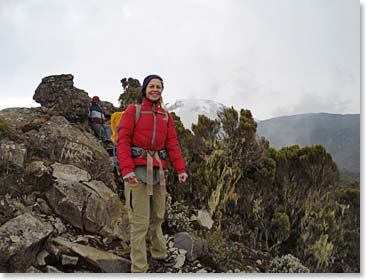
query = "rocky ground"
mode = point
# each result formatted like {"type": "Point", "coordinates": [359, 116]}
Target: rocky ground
{"type": "Point", "coordinates": [60, 202]}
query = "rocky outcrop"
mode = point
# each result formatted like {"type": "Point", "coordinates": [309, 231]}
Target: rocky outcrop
{"type": "Point", "coordinates": [105, 261]}
{"type": "Point", "coordinates": [58, 94]}
{"type": "Point", "coordinates": [192, 245]}
{"type": "Point", "coordinates": [87, 205]}
{"type": "Point", "coordinates": [58, 140]}
{"type": "Point", "coordinates": [21, 239]}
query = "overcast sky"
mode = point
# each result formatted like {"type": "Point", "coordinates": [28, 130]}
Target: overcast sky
{"type": "Point", "coordinates": [274, 57]}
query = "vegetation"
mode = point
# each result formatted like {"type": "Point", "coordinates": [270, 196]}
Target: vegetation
{"type": "Point", "coordinates": [287, 201]}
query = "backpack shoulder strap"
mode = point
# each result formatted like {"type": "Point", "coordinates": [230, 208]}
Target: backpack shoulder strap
{"type": "Point", "coordinates": [137, 112]}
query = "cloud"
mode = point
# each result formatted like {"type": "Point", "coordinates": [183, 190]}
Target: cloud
{"type": "Point", "coordinates": [262, 55]}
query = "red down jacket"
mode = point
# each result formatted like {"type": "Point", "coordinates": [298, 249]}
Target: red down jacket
{"type": "Point", "coordinates": [142, 135]}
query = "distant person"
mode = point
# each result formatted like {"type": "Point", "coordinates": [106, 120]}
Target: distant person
{"type": "Point", "coordinates": [97, 121]}
{"type": "Point", "coordinates": [143, 147]}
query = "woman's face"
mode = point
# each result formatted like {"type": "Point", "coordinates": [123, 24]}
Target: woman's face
{"type": "Point", "coordinates": [154, 90]}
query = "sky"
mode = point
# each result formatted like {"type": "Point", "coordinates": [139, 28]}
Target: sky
{"type": "Point", "coordinates": [274, 57]}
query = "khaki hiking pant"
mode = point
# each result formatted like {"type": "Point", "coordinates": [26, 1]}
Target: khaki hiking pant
{"type": "Point", "coordinates": [146, 213]}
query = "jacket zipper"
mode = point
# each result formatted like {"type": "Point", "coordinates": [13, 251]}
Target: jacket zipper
{"type": "Point", "coordinates": [154, 124]}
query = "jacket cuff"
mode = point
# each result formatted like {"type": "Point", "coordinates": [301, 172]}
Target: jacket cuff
{"type": "Point", "coordinates": [128, 175]}
{"type": "Point", "coordinates": [183, 174]}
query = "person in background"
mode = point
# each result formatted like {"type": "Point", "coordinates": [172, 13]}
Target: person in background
{"type": "Point", "coordinates": [97, 121]}
{"type": "Point", "coordinates": [143, 148]}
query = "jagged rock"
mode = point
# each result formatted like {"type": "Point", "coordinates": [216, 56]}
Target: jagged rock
{"type": "Point", "coordinates": [29, 233]}
{"type": "Point", "coordinates": [12, 152]}
{"type": "Point", "coordinates": [32, 269]}
{"type": "Point", "coordinates": [59, 226]}
{"type": "Point", "coordinates": [59, 141]}
{"type": "Point", "coordinates": [38, 175]}
{"type": "Point", "coordinates": [105, 261]}
{"type": "Point", "coordinates": [204, 219]}
{"type": "Point", "coordinates": [69, 260]}
{"type": "Point", "coordinates": [68, 172]}
{"type": "Point", "coordinates": [180, 261]}
{"type": "Point", "coordinates": [58, 94]}
{"type": "Point", "coordinates": [52, 269]}
{"type": "Point", "coordinates": [287, 264]}
{"type": "Point", "coordinates": [89, 205]}
{"type": "Point", "coordinates": [193, 245]}
{"type": "Point", "coordinates": [41, 257]}
{"type": "Point", "coordinates": [108, 108]}
{"type": "Point", "coordinates": [44, 206]}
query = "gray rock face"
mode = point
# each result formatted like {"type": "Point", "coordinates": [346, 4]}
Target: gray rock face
{"type": "Point", "coordinates": [59, 95]}
{"type": "Point", "coordinates": [105, 261]}
{"type": "Point", "coordinates": [193, 245]}
{"type": "Point", "coordinates": [60, 141]}
{"type": "Point", "coordinates": [12, 152]}
{"type": "Point", "coordinates": [20, 240]}
{"type": "Point", "coordinates": [88, 205]}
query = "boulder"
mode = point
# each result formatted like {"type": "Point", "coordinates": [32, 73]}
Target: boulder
{"type": "Point", "coordinates": [68, 172]}
{"type": "Point", "coordinates": [193, 245]}
{"type": "Point", "coordinates": [105, 261]}
{"type": "Point", "coordinates": [12, 153]}
{"type": "Point", "coordinates": [88, 205]}
{"type": "Point", "coordinates": [58, 94]}
{"type": "Point", "coordinates": [20, 241]}
{"type": "Point", "coordinates": [69, 260]}
{"type": "Point", "coordinates": [58, 140]}
{"type": "Point", "coordinates": [204, 219]}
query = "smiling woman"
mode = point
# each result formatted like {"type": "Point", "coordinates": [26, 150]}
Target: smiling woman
{"type": "Point", "coordinates": [143, 146]}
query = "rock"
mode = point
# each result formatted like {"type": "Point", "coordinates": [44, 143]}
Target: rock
{"type": "Point", "coordinates": [41, 257]}
{"type": "Point", "coordinates": [204, 219]}
{"type": "Point", "coordinates": [287, 264]}
{"type": "Point", "coordinates": [69, 260]}
{"type": "Point", "coordinates": [68, 172]}
{"type": "Point", "coordinates": [31, 233]}
{"type": "Point", "coordinates": [38, 175]}
{"type": "Point", "coordinates": [52, 269]}
{"type": "Point", "coordinates": [37, 168]}
{"type": "Point", "coordinates": [57, 140]}
{"type": "Point", "coordinates": [44, 206]}
{"type": "Point", "coordinates": [193, 245]}
{"type": "Point", "coordinates": [90, 206]}
{"type": "Point", "coordinates": [12, 153]}
{"type": "Point", "coordinates": [59, 226]}
{"type": "Point", "coordinates": [105, 261]}
{"type": "Point", "coordinates": [203, 270]}
{"type": "Point", "coordinates": [180, 261]}
{"type": "Point", "coordinates": [32, 269]}
{"type": "Point", "coordinates": [58, 94]}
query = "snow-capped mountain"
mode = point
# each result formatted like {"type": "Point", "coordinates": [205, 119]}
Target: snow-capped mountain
{"type": "Point", "coordinates": [189, 110]}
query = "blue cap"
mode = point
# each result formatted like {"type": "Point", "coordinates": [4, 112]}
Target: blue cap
{"type": "Point", "coordinates": [146, 82]}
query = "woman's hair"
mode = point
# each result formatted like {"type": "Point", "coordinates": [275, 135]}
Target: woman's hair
{"type": "Point", "coordinates": [162, 104]}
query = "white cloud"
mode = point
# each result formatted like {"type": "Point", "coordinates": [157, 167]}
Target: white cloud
{"type": "Point", "coordinates": [261, 55]}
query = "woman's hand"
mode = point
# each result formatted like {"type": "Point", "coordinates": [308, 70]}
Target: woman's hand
{"type": "Point", "coordinates": [132, 180]}
{"type": "Point", "coordinates": [182, 178]}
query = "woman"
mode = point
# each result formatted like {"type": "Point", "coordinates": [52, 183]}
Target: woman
{"type": "Point", "coordinates": [146, 137]}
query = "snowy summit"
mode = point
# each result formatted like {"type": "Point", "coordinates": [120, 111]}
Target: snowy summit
{"type": "Point", "coordinates": [189, 110]}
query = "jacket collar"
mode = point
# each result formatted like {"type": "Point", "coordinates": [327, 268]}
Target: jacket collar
{"type": "Point", "coordinates": [149, 103]}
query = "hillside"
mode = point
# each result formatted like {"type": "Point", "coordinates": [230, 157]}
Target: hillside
{"type": "Point", "coordinates": [340, 134]}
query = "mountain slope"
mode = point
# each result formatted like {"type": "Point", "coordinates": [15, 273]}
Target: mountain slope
{"type": "Point", "coordinates": [340, 134]}
{"type": "Point", "coordinates": [189, 110]}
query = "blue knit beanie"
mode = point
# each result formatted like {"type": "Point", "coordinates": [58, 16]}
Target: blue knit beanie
{"type": "Point", "coordinates": [146, 82]}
